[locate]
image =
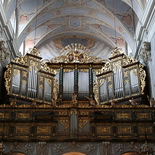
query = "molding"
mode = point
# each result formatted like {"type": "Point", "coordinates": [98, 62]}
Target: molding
{"type": "Point", "coordinates": [8, 33]}
{"type": "Point", "coordinates": [143, 26]}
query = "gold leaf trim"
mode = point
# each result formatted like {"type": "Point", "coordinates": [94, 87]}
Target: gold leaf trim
{"type": "Point", "coordinates": [142, 75]}
{"type": "Point", "coordinates": [23, 60]}
{"type": "Point", "coordinates": [34, 51]}
{"type": "Point", "coordinates": [127, 60]}
{"type": "Point", "coordinates": [49, 81]}
{"type": "Point", "coordinates": [64, 121]}
{"type": "Point", "coordinates": [7, 77]}
{"type": "Point", "coordinates": [116, 51]}
{"type": "Point", "coordinates": [73, 55]}
{"type": "Point", "coordinates": [83, 121]}
{"type": "Point", "coordinates": [16, 72]}
{"type": "Point", "coordinates": [96, 90]}
{"type": "Point", "coordinates": [102, 81]}
{"type": "Point", "coordinates": [33, 64]}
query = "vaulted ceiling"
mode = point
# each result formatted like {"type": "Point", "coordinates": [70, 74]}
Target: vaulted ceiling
{"type": "Point", "coordinates": [100, 25]}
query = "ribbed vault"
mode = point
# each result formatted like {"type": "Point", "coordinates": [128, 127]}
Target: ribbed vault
{"type": "Point", "coordinates": [109, 23]}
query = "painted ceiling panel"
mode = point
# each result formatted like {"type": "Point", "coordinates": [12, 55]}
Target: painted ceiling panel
{"type": "Point", "coordinates": [26, 7]}
{"type": "Point", "coordinates": [42, 19]}
{"type": "Point", "coordinates": [117, 6]}
{"type": "Point", "coordinates": [105, 18]}
{"type": "Point", "coordinates": [91, 4]}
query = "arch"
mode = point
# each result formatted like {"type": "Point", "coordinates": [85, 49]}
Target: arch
{"type": "Point", "coordinates": [130, 153]}
{"type": "Point", "coordinates": [74, 153]}
{"type": "Point", "coordinates": [18, 153]}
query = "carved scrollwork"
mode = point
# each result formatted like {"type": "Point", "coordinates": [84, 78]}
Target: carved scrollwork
{"type": "Point", "coordinates": [35, 51]}
{"type": "Point", "coordinates": [101, 82]}
{"type": "Point", "coordinates": [105, 68]}
{"type": "Point", "coordinates": [145, 53]}
{"type": "Point", "coordinates": [16, 72]}
{"type": "Point", "coordinates": [76, 55]}
{"type": "Point", "coordinates": [55, 88]}
{"type": "Point", "coordinates": [83, 121]}
{"type": "Point", "coordinates": [116, 51]}
{"type": "Point", "coordinates": [134, 72]}
{"type": "Point", "coordinates": [23, 60]}
{"type": "Point", "coordinates": [33, 64]}
{"type": "Point", "coordinates": [46, 68]}
{"type": "Point", "coordinates": [7, 77]}
{"type": "Point", "coordinates": [64, 122]}
{"type": "Point", "coordinates": [127, 60]}
{"type": "Point", "coordinates": [142, 75]}
{"type": "Point", "coordinates": [96, 91]}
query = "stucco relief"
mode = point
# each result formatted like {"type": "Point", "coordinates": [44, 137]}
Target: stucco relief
{"type": "Point", "coordinates": [145, 54]}
{"type": "Point", "coordinates": [4, 54]}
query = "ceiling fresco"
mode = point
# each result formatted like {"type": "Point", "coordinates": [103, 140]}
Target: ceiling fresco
{"type": "Point", "coordinates": [109, 23]}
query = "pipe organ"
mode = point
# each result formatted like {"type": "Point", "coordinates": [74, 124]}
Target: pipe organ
{"type": "Point", "coordinates": [77, 73]}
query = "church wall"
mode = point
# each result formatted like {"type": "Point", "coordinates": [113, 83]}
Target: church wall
{"type": "Point", "coordinates": [151, 66]}
{"type": "Point", "coordinates": [8, 48]}
{"type": "Point", "coordinates": [7, 34]}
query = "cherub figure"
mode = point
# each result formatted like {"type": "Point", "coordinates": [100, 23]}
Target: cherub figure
{"type": "Point", "coordinates": [113, 102]}
{"type": "Point", "coordinates": [133, 102]}
{"type": "Point", "coordinates": [92, 102]}
{"type": "Point", "coordinates": [54, 102]}
{"type": "Point", "coordinates": [152, 101]}
{"type": "Point", "coordinates": [74, 99]}
{"type": "Point", "coordinates": [34, 103]}
{"type": "Point", "coordinates": [13, 103]}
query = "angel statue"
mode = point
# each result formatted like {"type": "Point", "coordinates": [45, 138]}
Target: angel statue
{"type": "Point", "coordinates": [133, 102]}
{"type": "Point", "coordinates": [13, 103]}
{"type": "Point", "coordinates": [113, 102]}
{"type": "Point", "coordinates": [74, 99]}
{"type": "Point", "coordinates": [34, 103]}
{"type": "Point", "coordinates": [54, 102]}
{"type": "Point", "coordinates": [92, 102]}
{"type": "Point", "coordinates": [151, 100]}
{"type": "Point", "coordinates": [4, 54]}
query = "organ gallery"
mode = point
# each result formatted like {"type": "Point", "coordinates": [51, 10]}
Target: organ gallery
{"type": "Point", "coordinates": [83, 99]}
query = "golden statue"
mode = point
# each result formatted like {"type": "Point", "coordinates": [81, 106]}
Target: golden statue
{"type": "Point", "coordinates": [133, 102]}
{"type": "Point", "coordinates": [74, 99]}
{"type": "Point", "coordinates": [92, 102]}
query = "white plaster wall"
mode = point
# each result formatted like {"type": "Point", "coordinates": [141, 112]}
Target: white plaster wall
{"type": "Point", "coordinates": [152, 66]}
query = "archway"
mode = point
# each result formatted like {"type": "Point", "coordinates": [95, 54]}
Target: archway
{"type": "Point", "coordinates": [74, 153]}
{"type": "Point", "coordinates": [17, 154]}
{"type": "Point", "coordinates": [130, 153]}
